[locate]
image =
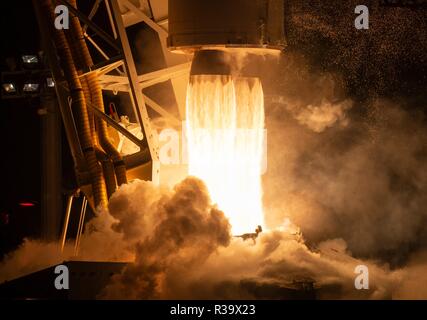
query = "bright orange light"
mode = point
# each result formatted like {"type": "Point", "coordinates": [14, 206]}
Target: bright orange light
{"type": "Point", "coordinates": [225, 131]}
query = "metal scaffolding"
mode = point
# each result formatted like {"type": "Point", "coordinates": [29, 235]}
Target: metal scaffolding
{"type": "Point", "coordinates": [118, 73]}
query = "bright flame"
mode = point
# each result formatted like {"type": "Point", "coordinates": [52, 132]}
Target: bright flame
{"type": "Point", "coordinates": [225, 131]}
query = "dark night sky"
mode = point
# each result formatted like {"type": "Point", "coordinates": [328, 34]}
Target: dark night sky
{"type": "Point", "coordinates": [18, 27]}
{"type": "Point", "coordinates": [20, 129]}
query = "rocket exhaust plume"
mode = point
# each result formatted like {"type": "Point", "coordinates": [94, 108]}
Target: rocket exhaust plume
{"type": "Point", "coordinates": [225, 131]}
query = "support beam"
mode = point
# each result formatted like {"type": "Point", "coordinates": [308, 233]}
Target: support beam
{"type": "Point", "coordinates": [92, 13]}
{"type": "Point", "coordinates": [143, 17]}
{"type": "Point", "coordinates": [111, 41]}
{"type": "Point", "coordinates": [51, 167]}
{"type": "Point", "coordinates": [147, 79]}
{"type": "Point", "coordinates": [66, 221]}
{"type": "Point", "coordinates": [61, 91]}
{"type": "Point", "coordinates": [98, 113]}
{"type": "Point", "coordinates": [156, 107]}
{"type": "Point", "coordinates": [136, 95]}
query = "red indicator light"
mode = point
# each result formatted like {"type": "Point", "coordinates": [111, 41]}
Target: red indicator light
{"type": "Point", "coordinates": [26, 204]}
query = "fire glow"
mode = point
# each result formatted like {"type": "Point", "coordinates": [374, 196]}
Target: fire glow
{"type": "Point", "coordinates": [225, 131]}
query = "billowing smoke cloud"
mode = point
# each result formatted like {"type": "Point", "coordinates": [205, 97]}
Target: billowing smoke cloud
{"type": "Point", "coordinates": [360, 178]}
{"type": "Point", "coordinates": [31, 256]}
{"type": "Point", "coordinates": [180, 246]}
{"type": "Point", "coordinates": [347, 137]}
{"type": "Point", "coordinates": [170, 231]}
{"type": "Point", "coordinates": [154, 227]}
{"type": "Point", "coordinates": [315, 101]}
{"type": "Point", "coordinates": [277, 262]}
{"type": "Point", "coordinates": [318, 118]}
{"type": "Point", "coordinates": [183, 249]}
